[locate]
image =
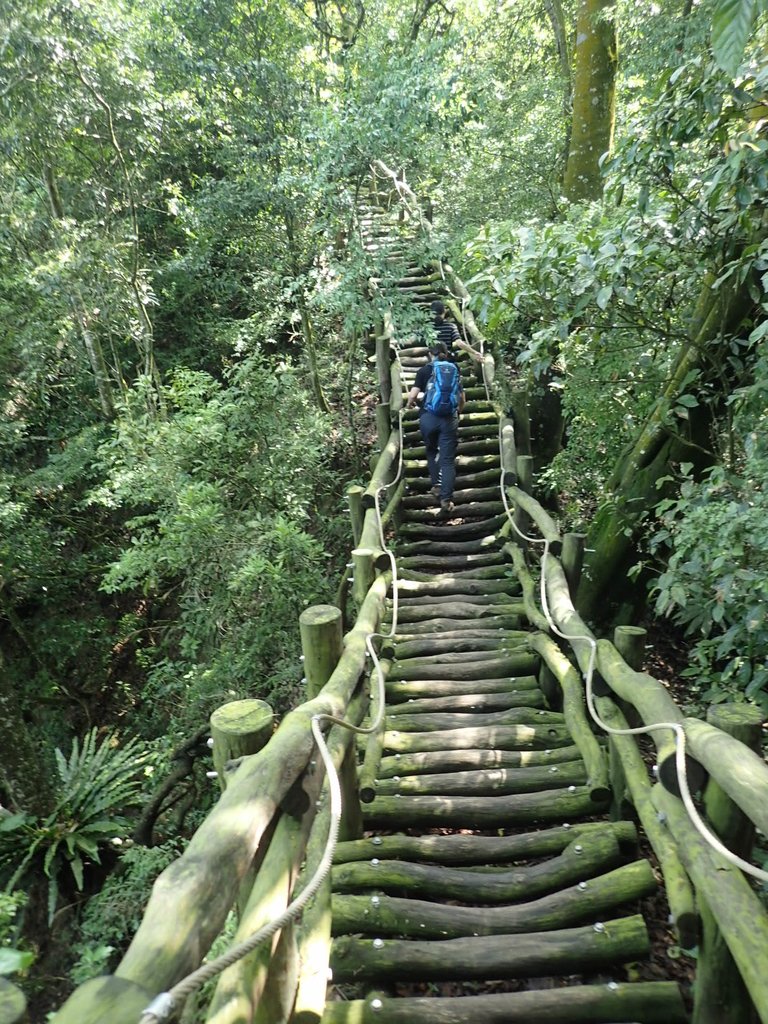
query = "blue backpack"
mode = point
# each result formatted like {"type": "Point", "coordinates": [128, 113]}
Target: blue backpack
{"type": "Point", "coordinates": [443, 389]}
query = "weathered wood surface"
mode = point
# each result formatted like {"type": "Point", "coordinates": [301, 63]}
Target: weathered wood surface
{"type": "Point", "coordinates": [579, 860]}
{"type": "Point", "coordinates": [561, 951]}
{"type": "Point", "coordinates": [467, 668]}
{"type": "Point", "coordinates": [464, 848]}
{"type": "Point", "coordinates": [498, 737]}
{"type": "Point", "coordinates": [448, 584]}
{"type": "Point", "coordinates": [721, 996]}
{"type": "Point", "coordinates": [467, 760]}
{"type": "Point", "coordinates": [739, 771]}
{"type": "Point", "coordinates": [574, 712]}
{"type": "Point", "coordinates": [483, 812]}
{"type": "Point", "coordinates": [652, 1002]}
{"type": "Point", "coordinates": [680, 895]}
{"type": "Point", "coordinates": [445, 722]}
{"type": "Point", "coordinates": [584, 901]}
{"type": "Point", "coordinates": [164, 950]}
{"type": "Point", "coordinates": [504, 700]}
{"type": "Point", "coordinates": [489, 781]}
{"type": "Point", "coordinates": [740, 916]}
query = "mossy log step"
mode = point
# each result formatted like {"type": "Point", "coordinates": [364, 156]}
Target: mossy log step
{"type": "Point", "coordinates": [564, 951]}
{"type": "Point", "coordinates": [468, 428]}
{"type": "Point", "coordinates": [482, 665]}
{"type": "Point", "coordinates": [449, 585]}
{"type": "Point", "coordinates": [515, 716]}
{"type": "Point", "coordinates": [574, 905]}
{"type": "Point", "coordinates": [456, 609]}
{"type": "Point", "coordinates": [452, 563]}
{"type": "Point", "coordinates": [501, 737]}
{"type": "Point", "coordinates": [476, 420]}
{"type": "Point", "coordinates": [464, 480]}
{"type": "Point", "coordinates": [647, 1002]}
{"type": "Point", "coordinates": [487, 782]}
{"type": "Point", "coordinates": [449, 531]}
{"type": "Point", "coordinates": [499, 700]}
{"type": "Point", "coordinates": [475, 545]}
{"type": "Point", "coordinates": [472, 446]}
{"type": "Point", "coordinates": [453, 645]}
{"type": "Point", "coordinates": [490, 624]}
{"type": "Point", "coordinates": [403, 690]}
{"type": "Point", "coordinates": [432, 761]}
{"type": "Point", "coordinates": [483, 702]}
{"type": "Point", "coordinates": [469, 494]}
{"type": "Point", "coordinates": [463, 510]}
{"type": "Point", "coordinates": [579, 860]}
{"type": "Point", "coordinates": [461, 848]}
{"type": "Point", "coordinates": [441, 599]}
{"type": "Point", "coordinates": [490, 572]}
{"type": "Point", "coordinates": [464, 463]}
{"type": "Point", "coordinates": [503, 638]}
{"type": "Point", "coordinates": [481, 812]}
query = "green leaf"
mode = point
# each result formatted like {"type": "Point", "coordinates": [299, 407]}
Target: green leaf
{"type": "Point", "coordinates": [732, 22]}
{"type": "Point", "coordinates": [604, 296]}
{"type": "Point", "coordinates": [689, 401]}
{"type": "Point", "coordinates": [14, 960]}
{"type": "Point", "coordinates": [12, 821]}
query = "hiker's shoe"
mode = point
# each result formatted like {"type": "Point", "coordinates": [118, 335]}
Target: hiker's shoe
{"type": "Point", "coordinates": [435, 491]}
{"type": "Point", "coordinates": [446, 507]}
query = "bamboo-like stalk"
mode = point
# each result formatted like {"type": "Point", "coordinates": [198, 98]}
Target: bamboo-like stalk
{"type": "Point", "coordinates": [740, 916]}
{"type": "Point", "coordinates": [680, 896]}
{"type": "Point", "coordinates": [574, 710]}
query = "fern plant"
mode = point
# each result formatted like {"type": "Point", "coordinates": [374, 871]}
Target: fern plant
{"type": "Point", "coordinates": [97, 783]}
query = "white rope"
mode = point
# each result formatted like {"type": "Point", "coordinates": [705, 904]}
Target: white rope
{"type": "Point", "coordinates": [676, 727]}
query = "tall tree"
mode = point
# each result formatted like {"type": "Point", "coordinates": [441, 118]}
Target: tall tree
{"type": "Point", "coordinates": [594, 92]}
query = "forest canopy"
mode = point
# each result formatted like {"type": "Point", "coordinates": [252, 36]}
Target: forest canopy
{"type": "Point", "coordinates": [184, 375]}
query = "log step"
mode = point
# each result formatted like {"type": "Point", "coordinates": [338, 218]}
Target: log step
{"type": "Point", "coordinates": [650, 1002]}
{"type": "Point", "coordinates": [561, 951]}
{"type": "Point", "coordinates": [485, 702]}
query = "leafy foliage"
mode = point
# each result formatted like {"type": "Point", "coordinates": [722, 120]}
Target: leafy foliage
{"type": "Point", "coordinates": [97, 784]}
{"type": "Point", "coordinates": [111, 917]}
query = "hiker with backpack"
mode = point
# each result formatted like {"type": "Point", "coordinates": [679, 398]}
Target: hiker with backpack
{"type": "Point", "coordinates": [438, 388]}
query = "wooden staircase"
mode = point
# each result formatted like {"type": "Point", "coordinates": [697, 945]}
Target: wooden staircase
{"type": "Point", "coordinates": [491, 885]}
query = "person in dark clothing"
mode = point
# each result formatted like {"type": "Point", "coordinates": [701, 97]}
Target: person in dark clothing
{"type": "Point", "coordinates": [446, 330]}
{"type": "Point", "coordinates": [440, 433]}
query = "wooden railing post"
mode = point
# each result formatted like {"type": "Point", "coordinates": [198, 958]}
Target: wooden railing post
{"type": "Point", "coordinates": [525, 483]}
{"type": "Point", "coordinates": [239, 728]}
{"type": "Point", "coordinates": [363, 573]}
{"type": "Point", "coordinates": [355, 498]}
{"type": "Point", "coordinates": [720, 996]}
{"type": "Point", "coordinates": [383, 424]}
{"type": "Point", "coordinates": [321, 645]}
{"type": "Point", "coordinates": [572, 558]}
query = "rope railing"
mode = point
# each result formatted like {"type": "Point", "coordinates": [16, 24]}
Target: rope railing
{"type": "Point", "coordinates": [589, 673]}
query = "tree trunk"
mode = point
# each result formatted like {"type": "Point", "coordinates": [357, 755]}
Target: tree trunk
{"type": "Point", "coordinates": [594, 86]}
{"type": "Point", "coordinates": [656, 447]}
